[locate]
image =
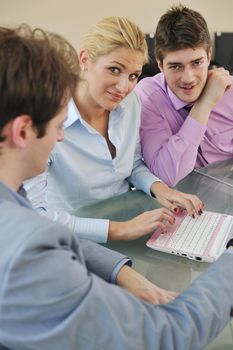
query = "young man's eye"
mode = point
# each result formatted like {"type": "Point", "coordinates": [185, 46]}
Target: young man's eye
{"type": "Point", "coordinates": [115, 70]}
{"type": "Point", "coordinates": [197, 63]}
{"type": "Point", "coordinates": [175, 67]}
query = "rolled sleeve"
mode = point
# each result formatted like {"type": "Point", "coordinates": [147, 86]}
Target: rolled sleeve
{"type": "Point", "coordinates": [147, 181]}
{"type": "Point", "coordinates": [125, 261]}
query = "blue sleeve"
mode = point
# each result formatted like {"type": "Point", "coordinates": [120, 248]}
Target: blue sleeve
{"type": "Point", "coordinates": [102, 261]}
{"type": "Point", "coordinates": [117, 268]}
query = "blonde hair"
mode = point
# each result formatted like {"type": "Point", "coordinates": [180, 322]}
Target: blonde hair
{"type": "Point", "coordinates": [112, 33]}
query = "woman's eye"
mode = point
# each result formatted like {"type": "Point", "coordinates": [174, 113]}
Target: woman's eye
{"type": "Point", "coordinates": [114, 70]}
{"type": "Point", "coordinates": [133, 77]}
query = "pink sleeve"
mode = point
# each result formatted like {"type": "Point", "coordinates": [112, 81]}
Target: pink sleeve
{"type": "Point", "coordinates": [170, 156]}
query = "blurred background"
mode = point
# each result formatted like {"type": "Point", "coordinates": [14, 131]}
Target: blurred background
{"type": "Point", "coordinates": [72, 18]}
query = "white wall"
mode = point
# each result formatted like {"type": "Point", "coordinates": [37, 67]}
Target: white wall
{"type": "Point", "coordinates": [72, 18]}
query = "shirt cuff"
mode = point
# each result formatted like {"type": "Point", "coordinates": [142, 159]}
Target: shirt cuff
{"type": "Point", "coordinates": [148, 180]}
{"type": "Point", "coordinates": [93, 229]}
{"type": "Point", "coordinates": [125, 261]}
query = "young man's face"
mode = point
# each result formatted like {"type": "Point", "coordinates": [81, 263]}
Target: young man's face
{"type": "Point", "coordinates": [186, 72]}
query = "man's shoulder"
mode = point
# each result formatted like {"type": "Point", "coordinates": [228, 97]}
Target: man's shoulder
{"type": "Point", "coordinates": [150, 86]}
{"type": "Point", "coordinates": [21, 225]}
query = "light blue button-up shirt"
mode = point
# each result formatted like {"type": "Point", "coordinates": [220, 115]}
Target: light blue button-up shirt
{"type": "Point", "coordinates": [81, 170]}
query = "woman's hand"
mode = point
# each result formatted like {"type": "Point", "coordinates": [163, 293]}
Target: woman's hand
{"type": "Point", "coordinates": [141, 225]}
{"type": "Point", "coordinates": [142, 288]}
{"type": "Point", "coordinates": [175, 200]}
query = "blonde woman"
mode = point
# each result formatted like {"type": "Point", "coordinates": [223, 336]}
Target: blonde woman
{"type": "Point", "coordinates": [101, 154]}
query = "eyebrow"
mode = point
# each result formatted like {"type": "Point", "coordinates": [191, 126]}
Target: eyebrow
{"type": "Point", "coordinates": [196, 59]}
{"type": "Point", "coordinates": [120, 64]}
{"type": "Point", "coordinates": [123, 66]}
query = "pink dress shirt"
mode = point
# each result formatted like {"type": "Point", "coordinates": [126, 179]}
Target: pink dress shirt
{"type": "Point", "coordinates": [173, 143]}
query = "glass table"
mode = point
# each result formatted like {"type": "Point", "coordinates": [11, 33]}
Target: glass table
{"type": "Point", "coordinates": [166, 270]}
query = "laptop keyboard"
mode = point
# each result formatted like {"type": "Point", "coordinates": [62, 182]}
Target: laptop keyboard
{"type": "Point", "coordinates": [197, 236]}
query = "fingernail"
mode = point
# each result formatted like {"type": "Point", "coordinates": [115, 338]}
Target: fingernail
{"type": "Point", "coordinates": [175, 210]}
{"type": "Point", "coordinates": [193, 216]}
{"type": "Point", "coordinates": [200, 212]}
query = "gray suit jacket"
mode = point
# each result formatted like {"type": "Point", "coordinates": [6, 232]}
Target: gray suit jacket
{"type": "Point", "coordinates": [54, 294]}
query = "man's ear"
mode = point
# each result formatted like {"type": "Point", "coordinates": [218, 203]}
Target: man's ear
{"type": "Point", "coordinates": [21, 130]}
{"type": "Point", "coordinates": [83, 59]}
{"type": "Point", "coordinates": [160, 64]}
{"type": "Point", "coordinates": [209, 54]}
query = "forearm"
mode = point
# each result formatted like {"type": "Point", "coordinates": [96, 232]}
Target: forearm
{"type": "Point", "coordinates": [101, 260]}
{"type": "Point", "coordinates": [174, 161]}
{"type": "Point", "coordinates": [172, 157]}
{"type": "Point", "coordinates": [142, 288]}
{"type": "Point", "coordinates": [117, 231]}
{"type": "Point", "coordinates": [142, 178]}
{"type": "Point", "coordinates": [201, 111]}
{"type": "Point", "coordinates": [87, 228]}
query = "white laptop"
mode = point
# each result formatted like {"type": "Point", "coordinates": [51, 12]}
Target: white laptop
{"type": "Point", "coordinates": [203, 238]}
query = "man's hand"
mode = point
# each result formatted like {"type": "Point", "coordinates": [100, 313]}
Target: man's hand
{"type": "Point", "coordinates": [174, 200]}
{"type": "Point", "coordinates": [218, 81]}
{"type": "Point", "coordinates": [142, 288]}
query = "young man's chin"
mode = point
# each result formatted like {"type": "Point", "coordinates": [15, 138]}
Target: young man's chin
{"type": "Point", "coordinates": [188, 97]}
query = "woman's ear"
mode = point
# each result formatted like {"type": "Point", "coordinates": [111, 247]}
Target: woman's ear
{"type": "Point", "coordinates": [83, 59]}
{"type": "Point", "coordinates": [21, 130]}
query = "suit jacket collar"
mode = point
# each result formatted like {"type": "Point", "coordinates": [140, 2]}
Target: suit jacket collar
{"type": "Point", "coordinates": [7, 194]}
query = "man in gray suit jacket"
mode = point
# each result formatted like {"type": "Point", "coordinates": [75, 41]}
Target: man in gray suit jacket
{"type": "Point", "coordinates": [57, 292]}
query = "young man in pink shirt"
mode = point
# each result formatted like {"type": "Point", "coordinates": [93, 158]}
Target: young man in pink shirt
{"type": "Point", "coordinates": [187, 110]}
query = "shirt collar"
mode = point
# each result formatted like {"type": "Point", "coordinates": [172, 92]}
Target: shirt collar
{"type": "Point", "coordinates": [19, 196]}
{"type": "Point", "coordinates": [74, 115]}
{"type": "Point", "coordinates": [177, 103]}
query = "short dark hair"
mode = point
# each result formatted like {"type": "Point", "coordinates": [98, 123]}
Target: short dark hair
{"type": "Point", "coordinates": [38, 73]}
{"type": "Point", "coordinates": [180, 28]}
